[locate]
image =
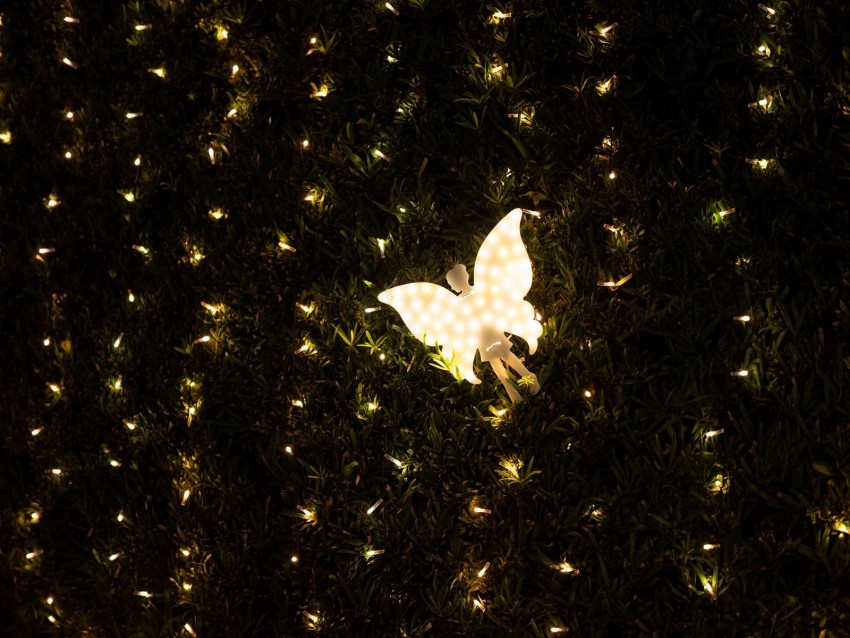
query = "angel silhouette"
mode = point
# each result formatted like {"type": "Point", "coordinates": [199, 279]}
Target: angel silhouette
{"type": "Point", "coordinates": [478, 317]}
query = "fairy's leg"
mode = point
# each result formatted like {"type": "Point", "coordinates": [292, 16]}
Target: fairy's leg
{"type": "Point", "coordinates": [517, 365]}
{"type": "Point", "coordinates": [500, 371]}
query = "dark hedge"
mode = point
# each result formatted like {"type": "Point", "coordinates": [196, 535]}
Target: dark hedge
{"type": "Point", "coordinates": [175, 170]}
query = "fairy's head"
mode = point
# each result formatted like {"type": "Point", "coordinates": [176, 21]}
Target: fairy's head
{"type": "Point", "coordinates": [458, 279]}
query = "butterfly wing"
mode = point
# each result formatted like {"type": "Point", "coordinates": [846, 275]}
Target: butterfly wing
{"type": "Point", "coordinates": [503, 278]}
{"type": "Point", "coordinates": [502, 266]}
{"type": "Point", "coordinates": [436, 316]}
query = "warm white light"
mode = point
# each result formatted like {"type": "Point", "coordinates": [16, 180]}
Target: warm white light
{"type": "Point", "coordinates": [393, 460]}
{"type": "Point", "coordinates": [391, 8]}
{"type": "Point", "coordinates": [117, 383]}
{"type": "Point", "coordinates": [566, 568]}
{"type": "Point", "coordinates": [137, 161]}
{"type": "Point", "coordinates": [36, 431]}
{"type": "Point", "coordinates": [284, 246]}
{"type": "Point", "coordinates": [558, 630]}
{"type": "Point", "coordinates": [117, 342]}
{"type": "Point", "coordinates": [114, 557]}
{"type": "Point", "coordinates": [477, 318]}
{"type": "Point", "coordinates": [120, 518]}
{"type": "Point", "coordinates": [298, 403]}
{"type": "Point", "coordinates": [231, 113]}
{"type": "Point", "coordinates": [46, 341]}
{"type": "Point", "coordinates": [6, 137]}
{"type": "Point", "coordinates": [32, 555]}
{"type": "Point", "coordinates": [483, 570]}
{"type": "Point", "coordinates": [52, 202]}
{"type": "Point", "coordinates": [498, 15]}
{"type": "Point", "coordinates": [288, 450]}
{"type": "Point", "coordinates": [216, 213]}
{"type": "Point", "coordinates": [710, 546]}
{"type": "Point", "coordinates": [234, 70]}
{"type": "Point", "coordinates": [71, 20]}
{"type": "Point", "coordinates": [293, 559]}
{"type": "Point", "coordinates": [68, 155]}
{"type": "Point", "coordinates": [740, 373]}
{"type": "Point", "coordinates": [69, 62]}
{"type": "Point", "coordinates": [46, 251]}
{"type": "Point", "coordinates": [743, 318]}
{"type": "Point", "coordinates": [481, 510]}
{"type": "Point", "coordinates": [142, 27]}
{"type": "Point", "coordinates": [159, 71]}
{"type": "Point", "coordinates": [588, 394]}
{"type": "Point", "coordinates": [49, 600]}
{"type": "Point", "coordinates": [713, 433]}
{"type": "Point", "coordinates": [371, 310]}
{"type": "Point", "coordinates": [305, 143]}
{"type": "Point", "coordinates": [203, 339]}
{"type": "Point", "coordinates": [379, 154]}
{"type": "Point", "coordinates": [612, 175]}
{"type": "Point", "coordinates": [189, 630]}
{"type": "Point", "coordinates": [129, 425]}
{"type": "Point", "coordinates": [374, 506]}
{"type": "Point", "coordinates": [131, 297]}
{"type": "Point", "coordinates": [35, 516]}
{"type": "Point", "coordinates": [478, 603]}
{"type": "Point", "coordinates": [54, 388]}
{"type": "Point", "coordinates": [221, 33]}
{"type": "Point", "coordinates": [186, 494]}
{"type": "Point", "coordinates": [133, 115]}
{"type": "Point", "coordinates": [130, 196]}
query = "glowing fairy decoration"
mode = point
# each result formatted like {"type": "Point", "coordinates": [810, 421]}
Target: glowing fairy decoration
{"type": "Point", "coordinates": [478, 317]}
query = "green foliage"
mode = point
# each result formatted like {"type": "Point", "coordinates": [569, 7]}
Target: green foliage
{"type": "Point", "coordinates": [203, 399]}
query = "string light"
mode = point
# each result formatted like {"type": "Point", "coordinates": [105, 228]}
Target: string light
{"type": "Point", "coordinates": [54, 388]}
{"type": "Point", "coordinates": [189, 630]}
{"type": "Point", "coordinates": [131, 297]}
{"type": "Point", "coordinates": [305, 143]}
{"type": "Point", "coordinates": [742, 318]}
{"type": "Point", "coordinates": [6, 137]}
{"type": "Point", "coordinates": [68, 155]}
{"type": "Point", "coordinates": [382, 247]}
{"type": "Point", "coordinates": [479, 604]}
{"type": "Point", "coordinates": [71, 20]}
{"type": "Point", "coordinates": [740, 373]}
{"type": "Point", "coordinates": [52, 202]}
{"type": "Point", "coordinates": [712, 433]}
{"type": "Point", "coordinates": [499, 16]}
{"type": "Point", "coordinates": [159, 72]}
{"type": "Point", "coordinates": [288, 450]}
{"type": "Point", "coordinates": [483, 570]}
{"type": "Point", "coordinates": [286, 247]}
{"type": "Point", "coordinates": [129, 425]}
{"type": "Point", "coordinates": [36, 431]}
{"type": "Point", "coordinates": [391, 8]}
{"type": "Point", "coordinates": [46, 342]}
{"type": "Point", "coordinates": [216, 213]}
{"type": "Point", "coordinates": [298, 403]}
{"type": "Point", "coordinates": [709, 546]}
{"type": "Point", "coordinates": [129, 196]}
{"type": "Point", "coordinates": [293, 559]}
{"type": "Point", "coordinates": [69, 63]}
{"type": "Point", "coordinates": [221, 33]}
{"type": "Point", "coordinates": [234, 70]}
{"type": "Point", "coordinates": [566, 568]}
{"type": "Point", "coordinates": [142, 27]}
{"type": "Point", "coordinates": [114, 557]}
{"type": "Point", "coordinates": [394, 461]}
{"type": "Point", "coordinates": [137, 161]}
{"type": "Point", "coordinates": [186, 495]}
{"type": "Point", "coordinates": [210, 308]}
{"type": "Point", "coordinates": [374, 507]}
{"type": "Point", "coordinates": [558, 630]}
{"type": "Point", "coordinates": [132, 115]}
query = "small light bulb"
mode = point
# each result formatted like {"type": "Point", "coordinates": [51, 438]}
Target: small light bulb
{"type": "Point", "coordinates": [54, 388]}
{"type": "Point", "coordinates": [129, 425]}
{"type": "Point", "coordinates": [68, 155]}
{"type": "Point", "coordinates": [221, 33]}
{"type": "Point", "coordinates": [137, 161]}
{"type": "Point", "coordinates": [230, 113]}
{"type": "Point", "coordinates": [117, 383]}
{"type": "Point", "coordinates": [288, 450]}
{"type": "Point", "coordinates": [305, 143]}
{"type": "Point", "coordinates": [6, 137]}
{"type": "Point", "coordinates": [740, 373]}
{"type": "Point", "coordinates": [293, 559]}
{"type": "Point", "coordinates": [588, 394]}
{"type": "Point", "coordinates": [185, 552]}
{"type": "Point", "coordinates": [189, 630]}
{"type": "Point", "coordinates": [313, 40]}
{"type": "Point", "coordinates": [742, 318]}
{"type": "Point", "coordinates": [612, 175]}
{"type": "Point", "coordinates": [52, 202]}
{"type": "Point", "coordinates": [142, 27]}
{"type": "Point", "coordinates": [298, 403]}
{"type": "Point", "coordinates": [216, 213]}
{"type": "Point", "coordinates": [130, 197]}
{"type": "Point", "coordinates": [46, 342]}
{"type": "Point", "coordinates": [69, 63]}
{"type": "Point", "coordinates": [49, 600]}
{"type": "Point", "coordinates": [35, 516]}
{"type": "Point", "coordinates": [374, 506]}
{"type": "Point", "coordinates": [71, 20]}
{"type": "Point", "coordinates": [131, 297]}
{"type": "Point", "coordinates": [120, 518]}
{"type": "Point", "coordinates": [133, 115]}
{"type": "Point", "coordinates": [158, 71]}
{"type": "Point", "coordinates": [712, 433]}
{"type": "Point", "coordinates": [186, 495]}
{"type": "Point", "coordinates": [483, 570]}
{"type": "Point", "coordinates": [36, 431]}
{"type": "Point", "coordinates": [234, 70]}
{"type": "Point", "coordinates": [114, 557]}
{"type": "Point", "coordinates": [284, 246]}
{"type": "Point", "coordinates": [391, 8]}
